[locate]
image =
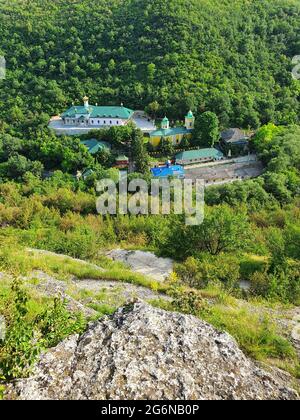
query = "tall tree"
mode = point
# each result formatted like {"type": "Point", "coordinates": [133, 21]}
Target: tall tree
{"type": "Point", "coordinates": [139, 152]}
{"type": "Point", "coordinates": [206, 132]}
{"type": "Point", "coordinates": [166, 147]}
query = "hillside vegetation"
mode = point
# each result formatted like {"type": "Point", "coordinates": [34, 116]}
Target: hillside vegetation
{"type": "Point", "coordinates": [231, 57]}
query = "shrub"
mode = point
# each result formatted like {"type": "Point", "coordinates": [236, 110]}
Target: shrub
{"type": "Point", "coordinates": [187, 301]}
{"type": "Point", "coordinates": [281, 285]}
{"type": "Point", "coordinates": [56, 323]}
{"type": "Point", "coordinates": [20, 346]}
{"type": "Point", "coordinates": [207, 269]}
{"type": "Point", "coordinates": [27, 333]}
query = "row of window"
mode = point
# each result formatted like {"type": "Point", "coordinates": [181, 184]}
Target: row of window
{"type": "Point", "coordinates": [92, 122]}
{"type": "Point", "coordinates": [199, 160]}
{"type": "Point", "coordinates": [203, 159]}
{"type": "Point", "coordinates": [104, 122]}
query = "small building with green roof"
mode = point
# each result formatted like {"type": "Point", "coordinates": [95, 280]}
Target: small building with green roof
{"type": "Point", "coordinates": [198, 156]}
{"type": "Point", "coordinates": [94, 145]}
{"type": "Point", "coordinates": [122, 162]}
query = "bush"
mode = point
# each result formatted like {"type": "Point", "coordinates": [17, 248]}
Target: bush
{"type": "Point", "coordinates": [27, 333]}
{"type": "Point", "coordinates": [281, 285]}
{"type": "Point", "coordinates": [187, 301]}
{"type": "Point", "coordinates": [56, 323]}
{"type": "Point", "coordinates": [199, 273]}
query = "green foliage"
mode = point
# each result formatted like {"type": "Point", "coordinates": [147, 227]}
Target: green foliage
{"type": "Point", "coordinates": [265, 135]}
{"type": "Point", "coordinates": [152, 109]}
{"type": "Point", "coordinates": [206, 132]}
{"type": "Point", "coordinates": [199, 273]}
{"type": "Point", "coordinates": [185, 143]}
{"type": "Point", "coordinates": [19, 348]}
{"type": "Point", "coordinates": [183, 54]}
{"type": "Point", "coordinates": [224, 229]}
{"type": "Point", "coordinates": [188, 301]}
{"type": "Point", "coordinates": [27, 334]}
{"type": "Point", "coordinates": [277, 284]}
{"type": "Point", "coordinates": [166, 147]}
{"type": "Point", "coordinates": [56, 214]}
{"type": "Point", "coordinates": [257, 337]}
{"type": "Point", "coordinates": [56, 323]}
{"type": "Point", "coordinates": [139, 153]}
{"type": "Point", "coordinates": [279, 149]}
{"type": "Point", "coordinates": [19, 157]}
{"type": "Point", "coordinates": [292, 241]}
{"type": "Point", "coordinates": [105, 158]}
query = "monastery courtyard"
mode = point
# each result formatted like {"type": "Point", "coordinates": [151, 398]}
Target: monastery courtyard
{"type": "Point", "coordinates": [225, 172]}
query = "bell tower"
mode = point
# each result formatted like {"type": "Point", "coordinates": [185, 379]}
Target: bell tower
{"type": "Point", "coordinates": [190, 121]}
{"type": "Point", "coordinates": [86, 102]}
{"type": "Point", "coordinates": [165, 124]}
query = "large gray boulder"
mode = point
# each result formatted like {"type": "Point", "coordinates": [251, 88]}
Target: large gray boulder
{"type": "Point", "coordinates": [146, 353]}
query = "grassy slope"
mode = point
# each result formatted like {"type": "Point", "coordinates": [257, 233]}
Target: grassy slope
{"type": "Point", "coordinates": [250, 324]}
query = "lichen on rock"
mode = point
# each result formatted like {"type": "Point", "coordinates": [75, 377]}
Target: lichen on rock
{"type": "Point", "coordinates": [142, 352]}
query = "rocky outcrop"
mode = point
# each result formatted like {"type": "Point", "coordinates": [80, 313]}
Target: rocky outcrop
{"type": "Point", "coordinates": [145, 263]}
{"type": "Point", "coordinates": [146, 353]}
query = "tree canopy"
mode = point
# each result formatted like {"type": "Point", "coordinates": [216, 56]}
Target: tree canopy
{"type": "Point", "coordinates": [206, 132]}
{"type": "Point", "coordinates": [168, 56]}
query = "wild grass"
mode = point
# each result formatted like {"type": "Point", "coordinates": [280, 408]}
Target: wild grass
{"type": "Point", "coordinates": [17, 260]}
{"type": "Point", "coordinates": [102, 309]}
{"type": "Point", "coordinates": [256, 333]}
{"type": "Point", "coordinates": [257, 336]}
{"type": "Point", "coordinates": [249, 264]}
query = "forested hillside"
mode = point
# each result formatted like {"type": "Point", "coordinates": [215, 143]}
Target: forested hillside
{"type": "Point", "coordinates": [231, 57]}
{"type": "Point", "coordinates": [240, 269]}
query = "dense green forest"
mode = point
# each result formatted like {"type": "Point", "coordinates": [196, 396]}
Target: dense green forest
{"type": "Point", "coordinates": [230, 57]}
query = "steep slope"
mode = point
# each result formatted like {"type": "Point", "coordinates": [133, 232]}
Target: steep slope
{"type": "Point", "coordinates": [147, 353]}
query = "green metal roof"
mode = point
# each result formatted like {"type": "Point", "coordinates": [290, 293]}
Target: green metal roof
{"type": "Point", "coordinates": [190, 115]}
{"type": "Point", "coordinates": [99, 112]}
{"type": "Point", "coordinates": [95, 145]}
{"type": "Point", "coordinates": [165, 119]}
{"type": "Point", "coordinates": [199, 154]}
{"type": "Point", "coordinates": [170, 132]}
{"type": "Point", "coordinates": [122, 158]}
{"type": "Point", "coordinates": [87, 173]}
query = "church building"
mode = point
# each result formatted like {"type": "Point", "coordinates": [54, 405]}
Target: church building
{"type": "Point", "coordinates": [96, 116]}
{"type": "Point", "coordinates": [174, 135]}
